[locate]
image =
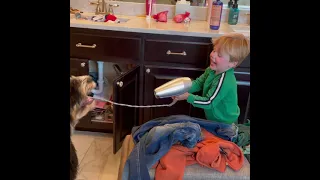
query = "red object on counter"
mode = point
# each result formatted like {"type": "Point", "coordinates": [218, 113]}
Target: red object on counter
{"type": "Point", "coordinates": [110, 17]}
{"type": "Point", "coordinates": [148, 7]}
{"type": "Point", "coordinates": [161, 16]}
{"type": "Point", "coordinates": [180, 17]}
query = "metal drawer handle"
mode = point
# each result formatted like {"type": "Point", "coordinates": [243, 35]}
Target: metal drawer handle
{"type": "Point", "coordinates": [173, 53]}
{"type": "Point", "coordinates": [86, 46]}
{"type": "Point", "coordinates": [243, 83]}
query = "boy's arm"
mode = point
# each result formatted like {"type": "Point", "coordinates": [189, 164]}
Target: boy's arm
{"type": "Point", "coordinates": [212, 98]}
{"type": "Point", "coordinates": [198, 83]}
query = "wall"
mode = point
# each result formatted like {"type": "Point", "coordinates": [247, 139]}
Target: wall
{"type": "Point", "coordinates": [197, 2]}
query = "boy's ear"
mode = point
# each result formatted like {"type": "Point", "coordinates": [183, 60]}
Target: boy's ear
{"type": "Point", "coordinates": [233, 64]}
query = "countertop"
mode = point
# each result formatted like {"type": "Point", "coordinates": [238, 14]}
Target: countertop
{"type": "Point", "coordinates": [142, 25]}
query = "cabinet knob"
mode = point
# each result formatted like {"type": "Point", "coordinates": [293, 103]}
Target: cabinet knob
{"type": "Point", "coordinates": [83, 64]}
{"type": "Point", "coordinates": [120, 84]}
{"type": "Point", "coordinates": [148, 70]}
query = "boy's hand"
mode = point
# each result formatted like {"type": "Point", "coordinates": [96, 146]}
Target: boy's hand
{"type": "Point", "coordinates": [181, 97]}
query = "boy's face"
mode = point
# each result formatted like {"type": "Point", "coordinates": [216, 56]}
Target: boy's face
{"type": "Point", "coordinates": [220, 62]}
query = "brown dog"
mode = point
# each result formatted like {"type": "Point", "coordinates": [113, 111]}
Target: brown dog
{"type": "Point", "coordinates": [80, 105]}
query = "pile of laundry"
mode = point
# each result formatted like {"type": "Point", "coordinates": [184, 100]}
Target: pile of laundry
{"type": "Point", "coordinates": [243, 138]}
{"type": "Point", "coordinates": [169, 144]}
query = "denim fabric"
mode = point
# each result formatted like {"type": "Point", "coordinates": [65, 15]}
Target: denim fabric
{"type": "Point", "coordinates": [155, 144]}
{"type": "Point", "coordinates": [222, 130]}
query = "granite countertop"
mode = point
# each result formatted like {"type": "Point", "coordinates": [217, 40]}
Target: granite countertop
{"type": "Point", "coordinates": [142, 25]}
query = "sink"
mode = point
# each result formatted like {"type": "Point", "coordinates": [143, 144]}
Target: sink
{"type": "Point", "coordinates": [122, 20]}
{"type": "Point", "coordinates": [240, 28]}
{"type": "Point", "coordinates": [89, 17]}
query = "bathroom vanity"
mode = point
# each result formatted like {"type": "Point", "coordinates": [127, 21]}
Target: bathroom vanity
{"type": "Point", "coordinates": [154, 59]}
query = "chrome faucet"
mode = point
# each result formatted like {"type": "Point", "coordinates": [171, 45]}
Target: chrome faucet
{"type": "Point", "coordinates": [111, 6]}
{"type": "Point", "coordinates": [102, 9]}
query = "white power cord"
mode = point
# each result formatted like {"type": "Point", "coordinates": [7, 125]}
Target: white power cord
{"type": "Point", "coordinates": [135, 106]}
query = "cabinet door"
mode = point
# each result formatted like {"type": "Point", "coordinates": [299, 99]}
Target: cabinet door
{"type": "Point", "coordinates": [125, 90]}
{"type": "Point", "coordinates": [245, 63]}
{"type": "Point", "coordinates": [155, 77]}
{"type": "Point", "coordinates": [247, 114]}
{"type": "Point", "coordinates": [243, 81]}
{"type": "Point", "coordinates": [79, 67]}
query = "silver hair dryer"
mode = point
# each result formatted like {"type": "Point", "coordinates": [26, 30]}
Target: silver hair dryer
{"type": "Point", "coordinates": [174, 87]}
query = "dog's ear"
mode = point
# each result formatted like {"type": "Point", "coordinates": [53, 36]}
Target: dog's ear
{"type": "Point", "coordinates": [75, 84]}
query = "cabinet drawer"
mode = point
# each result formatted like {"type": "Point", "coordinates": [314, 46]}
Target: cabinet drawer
{"type": "Point", "coordinates": [79, 67]}
{"type": "Point", "coordinates": [191, 53]}
{"type": "Point", "coordinates": [242, 76]}
{"type": "Point", "coordinates": [243, 82]}
{"type": "Point", "coordinates": [104, 48]}
{"type": "Point", "coordinates": [245, 63]}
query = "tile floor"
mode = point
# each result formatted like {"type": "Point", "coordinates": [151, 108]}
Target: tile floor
{"type": "Point", "coordinates": [96, 159]}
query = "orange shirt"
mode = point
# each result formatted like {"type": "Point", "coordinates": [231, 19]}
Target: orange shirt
{"type": "Point", "coordinates": [212, 152]}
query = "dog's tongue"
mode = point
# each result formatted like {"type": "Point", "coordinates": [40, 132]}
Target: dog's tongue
{"type": "Point", "coordinates": [87, 101]}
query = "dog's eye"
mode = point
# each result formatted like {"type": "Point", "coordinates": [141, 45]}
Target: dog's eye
{"type": "Point", "coordinates": [89, 79]}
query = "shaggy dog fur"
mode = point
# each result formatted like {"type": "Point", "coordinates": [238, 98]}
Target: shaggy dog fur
{"type": "Point", "coordinates": [80, 105]}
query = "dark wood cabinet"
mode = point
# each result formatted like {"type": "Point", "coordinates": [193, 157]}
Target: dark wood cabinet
{"type": "Point", "coordinates": [79, 67]}
{"type": "Point", "coordinates": [247, 115]}
{"type": "Point", "coordinates": [89, 45]}
{"type": "Point", "coordinates": [126, 91]}
{"type": "Point", "coordinates": [156, 59]}
{"type": "Point", "coordinates": [195, 54]}
{"type": "Point", "coordinates": [243, 82]}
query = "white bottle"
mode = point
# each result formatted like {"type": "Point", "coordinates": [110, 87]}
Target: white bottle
{"type": "Point", "coordinates": [182, 6]}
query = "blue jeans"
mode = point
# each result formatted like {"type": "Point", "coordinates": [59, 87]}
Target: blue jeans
{"type": "Point", "coordinates": [155, 144]}
{"type": "Point", "coordinates": [222, 130]}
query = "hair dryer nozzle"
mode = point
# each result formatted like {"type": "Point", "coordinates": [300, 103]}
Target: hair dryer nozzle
{"type": "Point", "coordinates": [174, 87]}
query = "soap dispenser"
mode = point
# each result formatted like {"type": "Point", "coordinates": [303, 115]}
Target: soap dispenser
{"type": "Point", "coordinates": [230, 3]}
{"type": "Point", "coordinates": [233, 14]}
{"type": "Point", "coordinates": [182, 6]}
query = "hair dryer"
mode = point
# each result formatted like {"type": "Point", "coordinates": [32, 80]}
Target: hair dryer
{"type": "Point", "coordinates": [174, 87]}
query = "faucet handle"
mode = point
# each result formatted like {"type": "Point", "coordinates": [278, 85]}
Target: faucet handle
{"type": "Point", "coordinates": [111, 6]}
{"type": "Point", "coordinates": [94, 3]}
{"type": "Point", "coordinates": [114, 5]}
